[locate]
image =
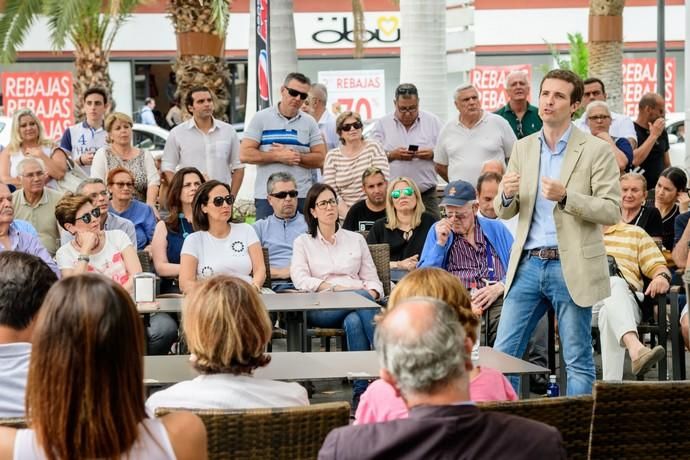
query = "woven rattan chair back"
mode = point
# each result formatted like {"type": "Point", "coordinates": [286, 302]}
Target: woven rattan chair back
{"type": "Point", "coordinates": [381, 255]}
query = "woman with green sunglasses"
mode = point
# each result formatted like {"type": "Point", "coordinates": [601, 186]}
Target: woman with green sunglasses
{"type": "Point", "coordinates": [404, 228]}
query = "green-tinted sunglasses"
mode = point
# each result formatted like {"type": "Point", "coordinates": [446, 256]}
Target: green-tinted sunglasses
{"type": "Point", "coordinates": [407, 191]}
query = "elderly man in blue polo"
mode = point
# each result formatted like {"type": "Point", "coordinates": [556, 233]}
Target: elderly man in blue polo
{"type": "Point", "coordinates": [471, 247]}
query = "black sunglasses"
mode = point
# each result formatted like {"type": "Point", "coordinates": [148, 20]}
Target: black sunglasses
{"type": "Point", "coordinates": [405, 90]}
{"type": "Point", "coordinates": [86, 218]}
{"type": "Point", "coordinates": [283, 195]}
{"type": "Point", "coordinates": [349, 126]}
{"type": "Point", "coordinates": [295, 93]}
{"type": "Point", "coordinates": [218, 201]}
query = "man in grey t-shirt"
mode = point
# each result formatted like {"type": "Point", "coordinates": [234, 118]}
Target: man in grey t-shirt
{"type": "Point", "coordinates": [283, 139]}
{"type": "Point", "coordinates": [24, 281]}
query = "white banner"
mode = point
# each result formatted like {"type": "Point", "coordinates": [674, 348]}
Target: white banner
{"type": "Point", "coordinates": [362, 91]}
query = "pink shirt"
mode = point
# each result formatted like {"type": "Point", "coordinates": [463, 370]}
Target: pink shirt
{"type": "Point", "coordinates": [346, 263]}
{"type": "Point", "coordinates": [379, 403]}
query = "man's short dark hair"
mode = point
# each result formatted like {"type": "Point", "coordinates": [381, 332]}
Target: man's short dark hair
{"type": "Point", "coordinates": [189, 98]}
{"type": "Point", "coordinates": [649, 100]}
{"type": "Point", "coordinates": [97, 90]}
{"type": "Point", "coordinates": [591, 80]}
{"type": "Point", "coordinates": [24, 282]}
{"type": "Point", "coordinates": [487, 177]}
{"type": "Point", "coordinates": [372, 171]}
{"type": "Point", "coordinates": [406, 90]}
{"type": "Point", "coordinates": [567, 76]}
{"type": "Point", "coordinates": [300, 77]}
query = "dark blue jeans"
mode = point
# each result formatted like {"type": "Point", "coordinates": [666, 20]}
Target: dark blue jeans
{"type": "Point", "coordinates": [160, 334]}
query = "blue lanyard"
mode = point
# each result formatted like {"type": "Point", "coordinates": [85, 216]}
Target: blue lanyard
{"type": "Point", "coordinates": [185, 233]}
{"type": "Point", "coordinates": [490, 261]}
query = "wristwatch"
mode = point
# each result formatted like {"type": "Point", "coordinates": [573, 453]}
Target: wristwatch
{"type": "Point", "coordinates": [665, 275]}
{"type": "Point", "coordinates": [83, 258]}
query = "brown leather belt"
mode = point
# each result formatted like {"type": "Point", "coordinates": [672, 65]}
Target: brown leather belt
{"type": "Point", "coordinates": [545, 253]}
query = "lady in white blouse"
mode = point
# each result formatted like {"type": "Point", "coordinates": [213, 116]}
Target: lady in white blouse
{"type": "Point", "coordinates": [329, 258]}
{"type": "Point", "coordinates": [217, 246]}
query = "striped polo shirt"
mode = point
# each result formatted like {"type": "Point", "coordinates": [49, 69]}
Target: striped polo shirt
{"type": "Point", "coordinates": [470, 264]}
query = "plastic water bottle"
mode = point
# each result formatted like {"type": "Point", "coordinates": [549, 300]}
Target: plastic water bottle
{"type": "Point", "coordinates": [475, 347]}
{"type": "Point", "coordinates": [552, 389]}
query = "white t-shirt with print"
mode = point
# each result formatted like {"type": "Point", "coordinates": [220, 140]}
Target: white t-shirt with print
{"type": "Point", "coordinates": [108, 261]}
{"type": "Point", "coordinates": [228, 256]}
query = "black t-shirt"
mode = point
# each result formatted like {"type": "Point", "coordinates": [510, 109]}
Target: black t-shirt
{"type": "Point", "coordinates": [399, 247]}
{"type": "Point", "coordinates": [360, 218]}
{"type": "Point", "coordinates": [654, 163]}
{"type": "Point", "coordinates": [649, 219]}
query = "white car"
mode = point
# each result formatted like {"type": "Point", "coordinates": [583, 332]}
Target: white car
{"type": "Point", "coordinates": [674, 122]}
{"type": "Point", "coordinates": [149, 137]}
{"type": "Point", "coordinates": [5, 129]}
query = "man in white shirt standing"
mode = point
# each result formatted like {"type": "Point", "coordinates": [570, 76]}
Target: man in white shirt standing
{"type": "Point", "coordinates": [24, 281]}
{"type": "Point", "coordinates": [316, 105]}
{"type": "Point", "coordinates": [477, 136]}
{"type": "Point", "coordinates": [621, 125]}
{"type": "Point", "coordinates": [205, 143]}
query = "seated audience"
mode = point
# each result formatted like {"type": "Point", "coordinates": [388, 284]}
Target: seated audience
{"type": "Point", "coordinates": [227, 329]}
{"type": "Point", "coordinates": [344, 165]}
{"type": "Point", "coordinates": [425, 356]}
{"type": "Point", "coordinates": [633, 208]}
{"type": "Point", "coordinates": [95, 189]}
{"type": "Point", "coordinates": [404, 228]}
{"type": "Point", "coordinates": [618, 315]}
{"type": "Point", "coordinates": [123, 204]}
{"type": "Point", "coordinates": [217, 246]}
{"type": "Point", "coordinates": [278, 231]}
{"type": "Point", "coordinates": [170, 233]}
{"type": "Point", "coordinates": [474, 249]}
{"type": "Point", "coordinates": [85, 392]}
{"type": "Point", "coordinates": [329, 258]}
{"type": "Point", "coordinates": [381, 402]}
{"type": "Point", "coordinates": [671, 199]}
{"type": "Point", "coordinates": [487, 189]}
{"type": "Point", "coordinates": [109, 253]}
{"type": "Point", "coordinates": [35, 202]}
{"type": "Point", "coordinates": [363, 214]}
{"type": "Point", "coordinates": [598, 119]}
{"type": "Point", "coordinates": [14, 237]}
{"type": "Point", "coordinates": [24, 282]}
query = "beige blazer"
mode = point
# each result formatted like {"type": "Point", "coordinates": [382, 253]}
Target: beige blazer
{"type": "Point", "coordinates": [591, 177]}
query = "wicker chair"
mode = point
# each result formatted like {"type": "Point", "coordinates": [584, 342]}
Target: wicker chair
{"type": "Point", "coordinates": [571, 415]}
{"type": "Point", "coordinates": [280, 433]}
{"type": "Point", "coordinates": [146, 261]}
{"type": "Point", "coordinates": [13, 422]}
{"type": "Point", "coordinates": [640, 420]}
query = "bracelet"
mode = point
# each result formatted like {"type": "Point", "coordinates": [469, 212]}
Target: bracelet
{"type": "Point", "coordinates": [83, 258]}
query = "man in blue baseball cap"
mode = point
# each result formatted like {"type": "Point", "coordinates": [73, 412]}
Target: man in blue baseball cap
{"type": "Point", "coordinates": [473, 248]}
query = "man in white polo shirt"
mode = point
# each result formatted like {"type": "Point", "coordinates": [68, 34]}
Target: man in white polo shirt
{"type": "Point", "coordinates": [477, 136]}
{"type": "Point", "coordinates": [205, 143]}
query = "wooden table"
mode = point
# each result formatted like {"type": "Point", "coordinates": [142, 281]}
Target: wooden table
{"type": "Point", "coordinates": [295, 306]}
{"type": "Point", "coordinates": [321, 366]}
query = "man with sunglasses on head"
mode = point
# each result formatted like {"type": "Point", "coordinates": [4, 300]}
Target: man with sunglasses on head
{"type": "Point", "coordinates": [471, 247]}
{"type": "Point", "coordinates": [94, 188]}
{"type": "Point", "coordinates": [283, 138]}
{"type": "Point", "coordinates": [204, 142]}
{"type": "Point", "coordinates": [409, 136]}
{"type": "Point", "coordinates": [522, 116]}
{"type": "Point", "coordinates": [278, 231]}
{"type": "Point", "coordinates": [364, 213]}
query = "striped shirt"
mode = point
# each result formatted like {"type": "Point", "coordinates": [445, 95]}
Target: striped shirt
{"type": "Point", "coordinates": [344, 173]}
{"type": "Point", "coordinates": [635, 251]}
{"type": "Point", "coordinates": [470, 264]}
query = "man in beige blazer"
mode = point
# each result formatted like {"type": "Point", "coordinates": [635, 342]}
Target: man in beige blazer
{"type": "Point", "coordinates": [564, 184]}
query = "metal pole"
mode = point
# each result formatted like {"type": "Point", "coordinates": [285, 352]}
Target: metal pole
{"type": "Point", "coordinates": [660, 49]}
{"type": "Point", "coordinates": [686, 96]}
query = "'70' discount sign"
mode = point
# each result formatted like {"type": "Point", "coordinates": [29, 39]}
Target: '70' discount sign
{"type": "Point", "coordinates": [362, 91]}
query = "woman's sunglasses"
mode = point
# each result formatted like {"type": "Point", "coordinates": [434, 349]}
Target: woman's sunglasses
{"type": "Point", "coordinates": [218, 201]}
{"type": "Point", "coordinates": [407, 191]}
{"type": "Point", "coordinates": [86, 218]}
{"type": "Point", "coordinates": [350, 126]}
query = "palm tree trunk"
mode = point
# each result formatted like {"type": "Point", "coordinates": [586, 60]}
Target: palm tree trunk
{"type": "Point", "coordinates": [283, 47]}
{"type": "Point", "coordinates": [606, 47]}
{"type": "Point", "coordinates": [91, 64]}
{"type": "Point", "coordinates": [423, 51]}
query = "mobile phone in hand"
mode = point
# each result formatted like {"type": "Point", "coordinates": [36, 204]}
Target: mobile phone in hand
{"type": "Point", "coordinates": [412, 148]}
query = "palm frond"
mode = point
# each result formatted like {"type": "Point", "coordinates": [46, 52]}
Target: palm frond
{"type": "Point", "coordinates": [17, 18]}
{"type": "Point", "coordinates": [220, 12]}
{"type": "Point", "coordinates": [66, 16]}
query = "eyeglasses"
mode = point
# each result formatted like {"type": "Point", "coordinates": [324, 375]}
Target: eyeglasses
{"type": "Point", "coordinates": [405, 89]}
{"type": "Point", "coordinates": [407, 191]}
{"type": "Point", "coordinates": [218, 201]}
{"type": "Point", "coordinates": [283, 195]}
{"type": "Point", "coordinates": [326, 203]}
{"type": "Point", "coordinates": [295, 93]}
{"type": "Point", "coordinates": [412, 109]}
{"type": "Point", "coordinates": [350, 126]}
{"type": "Point", "coordinates": [457, 215]}
{"type": "Point", "coordinates": [95, 195]}
{"type": "Point", "coordinates": [34, 174]}
{"type": "Point", "coordinates": [86, 218]}
{"type": "Point", "coordinates": [123, 184]}
{"type": "Point", "coordinates": [598, 117]}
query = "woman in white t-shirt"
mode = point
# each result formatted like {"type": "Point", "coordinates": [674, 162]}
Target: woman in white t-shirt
{"type": "Point", "coordinates": [217, 246]}
{"type": "Point", "coordinates": [227, 329]}
{"type": "Point", "coordinates": [85, 388]}
{"type": "Point", "coordinates": [108, 252]}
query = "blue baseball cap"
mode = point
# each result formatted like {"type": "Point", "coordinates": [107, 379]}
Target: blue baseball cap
{"type": "Point", "coordinates": [458, 193]}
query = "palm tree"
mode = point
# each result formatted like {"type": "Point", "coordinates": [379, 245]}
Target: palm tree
{"type": "Point", "coordinates": [606, 47]}
{"type": "Point", "coordinates": [200, 26]}
{"type": "Point", "coordinates": [283, 44]}
{"type": "Point", "coordinates": [91, 26]}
